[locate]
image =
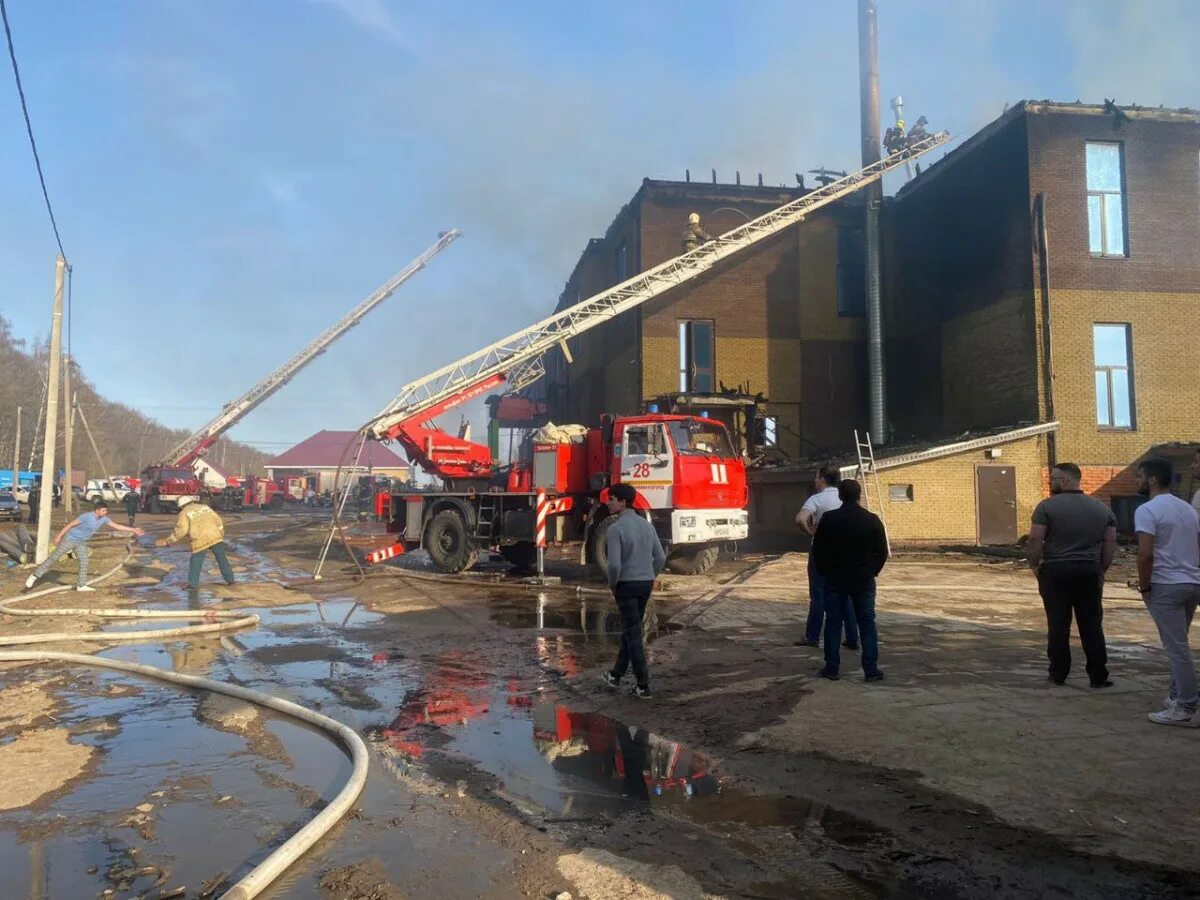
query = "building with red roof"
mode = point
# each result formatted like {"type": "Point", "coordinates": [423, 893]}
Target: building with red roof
{"type": "Point", "coordinates": [318, 458]}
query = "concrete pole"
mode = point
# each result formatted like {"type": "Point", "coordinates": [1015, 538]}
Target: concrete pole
{"type": "Point", "coordinates": [46, 506]}
{"type": "Point", "coordinates": [68, 437]}
{"type": "Point", "coordinates": [17, 455]}
{"type": "Point", "coordinates": [868, 67]}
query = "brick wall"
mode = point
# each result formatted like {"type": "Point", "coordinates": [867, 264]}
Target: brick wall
{"type": "Point", "coordinates": [943, 508]}
{"type": "Point", "coordinates": [1165, 364]}
{"type": "Point", "coordinates": [958, 268]}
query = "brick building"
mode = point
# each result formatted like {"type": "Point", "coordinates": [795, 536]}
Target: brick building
{"type": "Point", "coordinates": [785, 320]}
{"type": "Point", "coordinates": [1047, 269]}
{"type": "Point", "coordinates": [1043, 275]}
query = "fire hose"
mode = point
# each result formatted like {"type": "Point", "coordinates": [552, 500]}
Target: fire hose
{"type": "Point", "coordinates": [255, 881]}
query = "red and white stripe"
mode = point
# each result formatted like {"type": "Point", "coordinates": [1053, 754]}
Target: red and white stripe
{"type": "Point", "coordinates": [543, 509]}
{"type": "Point", "coordinates": [378, 556]}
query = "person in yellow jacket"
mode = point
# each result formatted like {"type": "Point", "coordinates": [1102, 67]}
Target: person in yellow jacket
{"type": "Point", "coordinates": [206, 531]}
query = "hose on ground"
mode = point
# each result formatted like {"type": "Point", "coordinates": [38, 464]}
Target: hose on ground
{"type": "Point", "coordinates": [270, 868]}
{"type": "Point", "coordinates": [283, 856]}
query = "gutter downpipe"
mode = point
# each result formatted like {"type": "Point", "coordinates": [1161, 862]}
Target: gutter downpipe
{"type": "Point", "coordinates": [1047, 329]}
{"type": "Point", "coordinates": [868, 72]}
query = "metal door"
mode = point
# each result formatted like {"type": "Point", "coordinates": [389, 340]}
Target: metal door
{"type": "Point", "coordinates": [996, 503]}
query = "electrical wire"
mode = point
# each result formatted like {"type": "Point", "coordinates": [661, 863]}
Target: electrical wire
{"type": "Point", "coordinates": [12, 55]}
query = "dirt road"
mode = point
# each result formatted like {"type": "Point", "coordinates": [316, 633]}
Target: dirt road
{"type": "Point", "coordinates": [501, 767]}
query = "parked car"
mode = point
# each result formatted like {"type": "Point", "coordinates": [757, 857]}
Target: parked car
{"type": "Point", "coordinates": [9, 507]}
{"type": "Point", "coordinates": [98, 489]}
{"type": "Point", "coordinates": [21, 493]}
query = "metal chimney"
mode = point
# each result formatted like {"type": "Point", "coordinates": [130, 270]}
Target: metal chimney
{"type": "Point", "coordinates": [868, 74]}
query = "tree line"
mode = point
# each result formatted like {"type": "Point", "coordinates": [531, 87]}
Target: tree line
{"type": "Point", "coordinates": [127, 439]}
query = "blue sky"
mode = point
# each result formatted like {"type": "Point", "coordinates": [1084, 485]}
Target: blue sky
{"type": "Point", "coordinates": [231, 177]}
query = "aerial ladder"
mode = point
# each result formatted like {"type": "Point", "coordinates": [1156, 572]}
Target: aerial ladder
{"type": "Point", "coordinates": [194, 445]}
{"type": "Point", "coordinates": [517, 362]}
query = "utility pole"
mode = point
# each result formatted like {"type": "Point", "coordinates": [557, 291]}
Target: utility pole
{"type": "Point", "coordinates": [868, 75]}
{"type": "Point", "coordinates": [68, 436]}
{"type": "Point", "coordinates": [17, 455]}
{"type": "Point", "coordinates": [46, 506]}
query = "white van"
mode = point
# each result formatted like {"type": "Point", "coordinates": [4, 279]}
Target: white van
{"type": "Point", "coordinates": [98, 489]}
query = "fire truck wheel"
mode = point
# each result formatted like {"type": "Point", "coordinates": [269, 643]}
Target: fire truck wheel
{"type": "Point", "coordinates": [275, 502]}
{"type": "Point", "coordinates": [449, 545]}
{"type": "Point", "coordinates": [693, 560]}
{"type": "Point", "coordinates": [522, 556]}
{"type": "Point", "coordinates": [155, 506]}
{"type": "Point", "coordinates": [598, 545]}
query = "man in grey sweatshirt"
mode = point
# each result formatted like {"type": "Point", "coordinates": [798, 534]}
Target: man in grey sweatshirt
{"type": "Point", "coordinates": [635, 557]}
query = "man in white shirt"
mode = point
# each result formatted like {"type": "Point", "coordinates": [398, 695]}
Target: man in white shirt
{"type": "Point", "coordinates": [809, 517]}
{"type": "Point", "coordinates": [1168, 563]}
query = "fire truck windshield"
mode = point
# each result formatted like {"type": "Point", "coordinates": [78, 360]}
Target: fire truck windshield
{"type": "Point", "coordinates": [175, 475]}
{"type": "Point", "coordinates": [701, 437]}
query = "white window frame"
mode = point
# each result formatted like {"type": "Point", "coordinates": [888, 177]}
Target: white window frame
{"type": "Point", "coordinates": [1102, 197]}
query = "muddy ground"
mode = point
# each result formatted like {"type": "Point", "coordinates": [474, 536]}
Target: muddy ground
{"type": "Point", "coordinates": [501, 767]}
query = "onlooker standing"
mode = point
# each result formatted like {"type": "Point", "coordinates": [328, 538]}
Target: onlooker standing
{"type": "Point", "coordinates": [1072, 542]}
{"type": "Point", "coordinates": [206, 531]}
{"type": "Point", "coordinates": [35, 501]}
{"type": "Point", "coordinates": [73, 538]}
{"type": "Point", "coordinates": [132, 500]}
{"type": "Point", "coordinates": [1168, 562]}
{"type": "Point", "coordinates": [850, 549]}
{"type": "Point", "coordinates": [809, 517]}
{"type": "Point", "coordinates": [635, 557]}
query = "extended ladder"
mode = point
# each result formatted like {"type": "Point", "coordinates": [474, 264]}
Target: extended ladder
{"type": "Point", "coordinates": [232, 413]}
{"type": "Point", "coordinates": [517, 359]}
{"type": "Point", "coordinates": [870, 479]}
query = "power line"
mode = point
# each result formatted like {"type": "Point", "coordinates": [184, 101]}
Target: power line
{"type": "Point", "coordinates": [12, 55]}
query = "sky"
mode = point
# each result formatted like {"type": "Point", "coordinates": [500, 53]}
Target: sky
{"type": "Point", "coordinates": [232, 176]}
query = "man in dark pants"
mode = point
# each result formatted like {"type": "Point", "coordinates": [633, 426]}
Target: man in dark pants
{"type": "Point", "coordinates": [635, 557]}
{"type": "Point", "coordinates": [849, 550]}
{"type": "Point", "coordinates": [823, 500]}
{"type": "Point", "coordinates": [35, 501]}
{"type": "Point", "coordinates": [1072, 542]}
{"type": "Point", "coordinates": [131, 501]}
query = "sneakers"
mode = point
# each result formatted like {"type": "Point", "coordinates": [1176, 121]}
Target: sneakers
{"type": "Point", "coordinates": [877, 675]}
{"type": "Point", "coordinates": [607, 677]}
{"type": "Point", "coordinates": [1102, 684]}
{"type": "Point", "coordinates": [641, 693]}
{"type": "Point", "coordinates": [1175, 715]}
{"type": "Point", "coordinates": [30, 582]}
{"type": "Point", "coordinates": [828, 673]}
{"type": "Point", "coordinates": [86, 588]}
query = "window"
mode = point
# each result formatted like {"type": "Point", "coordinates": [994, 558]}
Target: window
{"type": "Point", "coordinates": [645, 440]}
{"type": "Point", "coordinates": [770, 432]}
{"type": "Point", "coordinates": [1106, 200]}
{"type": "Point", "coordinates": [1114, 380]}
{"type": "Point", "coordinates": [851, 272]}
{"type": "Point", "coordinates": [697, 357]}
{"type": "Point", "coordinates": [622, 263]}
{"type": "Point", "coordinates": [900, 493]}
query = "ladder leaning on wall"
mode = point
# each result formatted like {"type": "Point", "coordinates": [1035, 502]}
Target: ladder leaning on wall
{"type": "Point", "coordinates": [870, 480]}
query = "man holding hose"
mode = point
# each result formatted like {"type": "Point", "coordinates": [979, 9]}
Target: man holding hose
{"type": "Point", "coordinates": [73, 538]}
{"type": "Point", "coordinates": [205, 531]}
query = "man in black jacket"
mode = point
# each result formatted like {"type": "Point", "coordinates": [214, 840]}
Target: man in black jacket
{"type": "Point", "coordinates": [849, 550]}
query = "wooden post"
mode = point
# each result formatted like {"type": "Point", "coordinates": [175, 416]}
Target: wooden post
{"type": "Point", "coordinates": [46, 505]}
{"type": "Point", "coordinates": [17, 455]}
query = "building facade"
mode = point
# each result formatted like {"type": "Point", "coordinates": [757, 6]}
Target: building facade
{"type": "Point", "coordinates": [1042, 275]}
{"type": "Point", "coordinates": [784, 321]}
{"type": "Point", "coordinates": [1046, 269]}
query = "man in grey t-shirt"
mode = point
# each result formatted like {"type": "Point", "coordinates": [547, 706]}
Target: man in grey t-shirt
{"type": "Point", "coordinates": [1168, 531]}
{"type": "Point", "coordinates": [1072, 542]}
